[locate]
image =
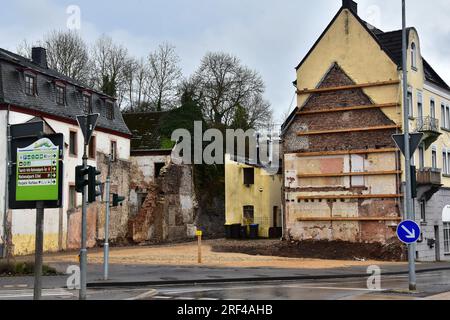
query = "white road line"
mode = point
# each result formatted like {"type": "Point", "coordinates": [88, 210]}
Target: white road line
{"type": "Point", "coordinates": [10, 294]}
{"type": "Point", "coordinates": [184, 298]}
{"type": "Point", "coordinates": [161, 297]}
{"type": "Point", "coordinates": [8, 286]}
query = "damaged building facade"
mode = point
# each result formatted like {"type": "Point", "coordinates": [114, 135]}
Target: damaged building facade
{"type": "Point", "coordinates": [342, 171]}
{"type": "Point", "coordinates": [162, 196]}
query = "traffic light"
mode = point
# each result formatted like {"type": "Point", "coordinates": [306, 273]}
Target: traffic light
{"type": "Point", "coordinates": [93, 184]}
{"type": "Point", "coordinates": [117, 200]}
{"type": "Point", "coordinates": [80, 180]}
{"type": "Point", "coordinates": [413, 182]}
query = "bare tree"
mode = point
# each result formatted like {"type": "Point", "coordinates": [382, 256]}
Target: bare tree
{"type": "Point", "coordinates": [138, 83]}
{"type": "Point", "coordinates": [224, 86]}
{"type": "Point", "coordinates": [67, 53]}
{"type": "Point", "coordinates": [24, 49]}
{"type": "Point", "coordinates": [165, 75]}
{"type": "Point", "coordinates": [109, 64]}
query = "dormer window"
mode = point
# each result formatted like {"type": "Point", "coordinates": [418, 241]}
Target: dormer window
{"type": "Point", "coordinates": [60, 95]}
{"type": "Point", "coordinates": [110, 110]}
{"type": "Point", "coordinates": [87, 103]}
{"type": "Point", "coordinates": [413, 56]}
{"type": "Point", "coordinates": [30, 84]}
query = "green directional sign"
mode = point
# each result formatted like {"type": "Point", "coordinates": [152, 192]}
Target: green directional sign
{"type": "Point", "coordinates": [37, 173]}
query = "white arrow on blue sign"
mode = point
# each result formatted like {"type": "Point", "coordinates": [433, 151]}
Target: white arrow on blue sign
{"type": "Point", "coordinates": [408, 232]}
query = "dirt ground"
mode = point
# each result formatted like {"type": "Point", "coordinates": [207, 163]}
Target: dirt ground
{"type": "Point", "coordinates": [186, 255]}
{"type": "Point", "coordinates": [335, 250]}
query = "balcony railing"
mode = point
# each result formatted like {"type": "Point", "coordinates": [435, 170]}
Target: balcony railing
{"type": "Point", "coordinates": [429, 176]}
{"type": "Point", "coordinates": [427, 124]}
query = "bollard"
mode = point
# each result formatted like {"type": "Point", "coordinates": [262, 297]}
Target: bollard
{"type": "Point", "coordinates": [199, 234]}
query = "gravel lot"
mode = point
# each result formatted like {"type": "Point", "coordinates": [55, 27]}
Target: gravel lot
{"type": "Point", "coordinates": [186, 255]}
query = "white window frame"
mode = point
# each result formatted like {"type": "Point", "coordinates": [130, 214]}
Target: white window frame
{"type": "Point", "coordinates": [433, 108]}
{"type": "Point", "coordinates": [443, 117]}
{"type": "Point", "coordinates": [446, 231]}
{"type": "Point", "coordinates": [410, 103]}
{"type": "Point", "coordinates": [420, 104]}
{"type": "Point", "coordinates": [445, 169]}
{"type": "Point", "coordinates": [434, 158]}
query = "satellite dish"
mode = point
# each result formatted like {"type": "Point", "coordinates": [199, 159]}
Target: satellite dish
{"type": "Point", "coordinates": [446, 214]}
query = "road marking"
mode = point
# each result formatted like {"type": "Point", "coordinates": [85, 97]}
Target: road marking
{"type": "Point", "coordinates": [184, 298]}
{"type": "Point", "coordinates": [145, 295]}
{"type": "Point", "coordinates": [8, 286]}
{"type": "Point", "coordinates": [161, 297]}
{"type": "Point", "coordinates": [11, 294]}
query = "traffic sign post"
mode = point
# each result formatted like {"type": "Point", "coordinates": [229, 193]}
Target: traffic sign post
{"type": "Point", "coordinates": [407, 150]}
{"type": "Point", "coordinates": [87, 125]}
{"type": "Point", "coordinates": [408, 232]}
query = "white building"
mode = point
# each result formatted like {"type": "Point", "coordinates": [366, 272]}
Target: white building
{"type": "Point", "coordinates": [30, 91]}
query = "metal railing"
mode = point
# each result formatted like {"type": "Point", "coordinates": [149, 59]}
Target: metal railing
{"type": "Point", "coordinates": [427, 124]}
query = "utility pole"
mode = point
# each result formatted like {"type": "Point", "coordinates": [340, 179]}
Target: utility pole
{"type": "Point", "coordinates": [83, 251]}
{"type": "Point", "coordinates": [408, 193]}
{"type": "Point", "coordinates": [107, 202]}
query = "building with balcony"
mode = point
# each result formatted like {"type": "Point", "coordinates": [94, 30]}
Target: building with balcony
{"type": "Point", "coordinates": [343, 175]}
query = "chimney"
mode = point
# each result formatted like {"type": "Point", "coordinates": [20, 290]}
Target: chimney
{"type": "Point", "coordinates": [351, 5]}
{"type": "Point", "coordinates": [39, 56]}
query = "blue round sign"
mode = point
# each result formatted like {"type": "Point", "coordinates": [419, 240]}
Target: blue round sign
{"type": "Point", "coordinates": [408, 232]}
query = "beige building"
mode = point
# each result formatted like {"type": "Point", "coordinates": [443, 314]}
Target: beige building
{"type": "Point", "coordinates": [252, 196]}
{"type": "Point", "coordinates": [343, 173]}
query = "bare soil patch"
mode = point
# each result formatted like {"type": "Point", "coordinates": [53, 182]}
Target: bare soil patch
{"type": "Point", "coordinates": [334, 250]}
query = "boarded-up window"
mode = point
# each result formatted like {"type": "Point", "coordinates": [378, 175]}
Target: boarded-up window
{"type": "Point", "coordinates": [72, 198]}
{"type": "Point", "coordinates": [249, 215]}
{"type": "Point", "coordinates": [249, 176]}
{"type": "Point", "coordinates": [357, 166]}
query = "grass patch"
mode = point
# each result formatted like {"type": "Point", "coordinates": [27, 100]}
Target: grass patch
{"type": "Point", "coordinates": [13, 269]}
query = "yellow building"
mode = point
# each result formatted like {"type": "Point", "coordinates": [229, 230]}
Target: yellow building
{"type": "Point", "coordinates": [252, 196]}
{"type": "Point", "coordinates": [343, 173]}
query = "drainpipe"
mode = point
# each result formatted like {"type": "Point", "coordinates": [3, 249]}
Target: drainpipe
{"type": "Point", "coordinates": [5, 233]}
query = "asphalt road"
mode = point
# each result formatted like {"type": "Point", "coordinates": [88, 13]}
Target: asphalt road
{"type": "Point", "coordinates": [392, 288]}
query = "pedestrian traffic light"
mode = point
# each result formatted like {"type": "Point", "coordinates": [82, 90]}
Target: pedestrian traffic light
{"type": "Point", "coordinates": [117, 200]}
{"type": "Point", "coordinates": [80, 180]}
{"type": "Point", "coordinates": [93, 185]}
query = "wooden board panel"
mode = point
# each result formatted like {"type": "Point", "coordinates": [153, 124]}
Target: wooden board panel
{"type": "Point", "coordinates": [350, 87]}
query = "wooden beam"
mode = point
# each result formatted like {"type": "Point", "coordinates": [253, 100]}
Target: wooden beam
{"type": "Point", "coordinates": [355, 108]}
{"type": "Point", "coordinates": [349, 87]}
{"type": "Point", "coordinates": [331, 219]}
{"type": "Point", "coordinates": [361, 196]}
{"type": "Point", "coordinates": [349, 174]}
{"type": "Point", "coordinates": [320, 132]}
{"type": "Point", "coordinates": [345, 152]}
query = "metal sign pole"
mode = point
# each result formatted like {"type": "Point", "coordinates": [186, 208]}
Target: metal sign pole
{"type": "Point", "coordinates": [39, 250]}
{"type": "Point", "coordinates": [107, 202]}
{"type": "Point", "coordinates": [83, 251]}
{"type": "Point", "coordinates": [408, 192]}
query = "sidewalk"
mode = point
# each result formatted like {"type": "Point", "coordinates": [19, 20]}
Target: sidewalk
{"type": "Point", "coordinates": [177, 264]}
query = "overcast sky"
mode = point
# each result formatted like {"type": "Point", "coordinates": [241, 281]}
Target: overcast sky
{"type": "Point", "coordinates": [270, 36]}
